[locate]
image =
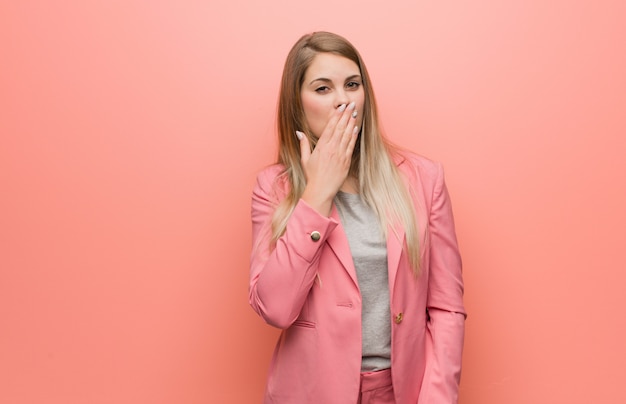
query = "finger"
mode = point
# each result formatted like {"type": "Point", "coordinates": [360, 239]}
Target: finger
{"type": "Point", "coordinates": [305, 147]}
{"type": "Point", "coordinates": [344, 120]}
{"type": "Point", "coordinates": [354, 136]}
{"type": "Point", "coordinates": [348, 132]}
{"type": "Point", "coordinates": [331, 126]}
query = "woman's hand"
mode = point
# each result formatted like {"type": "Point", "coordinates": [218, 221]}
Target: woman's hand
{"type": "Point", "coordinates": [327, 167]}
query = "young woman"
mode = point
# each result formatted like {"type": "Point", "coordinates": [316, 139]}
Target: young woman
{"type": "Point", "coordinates": [354, 252]}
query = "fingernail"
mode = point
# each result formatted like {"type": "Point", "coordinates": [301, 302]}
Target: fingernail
{"type": "Point", "coordinates": [352, 105]}
{"type": "Point", "coordinates": [299, 134]}
{"type": "Point", "coordinates": [342, 107]}
{"type": "Point", "coordinates": [354, 113]}
{"type": "Point", "coordinates": [355, 130]}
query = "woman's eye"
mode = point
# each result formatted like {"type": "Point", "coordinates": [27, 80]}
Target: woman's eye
{"type": "Point", "coordinates": [322, 89]}
{"type": "Point", "coordinates": [353, 84]}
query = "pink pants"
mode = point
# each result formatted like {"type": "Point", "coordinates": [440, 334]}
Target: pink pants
{"type": "Point", "coordinates": [376, 388]}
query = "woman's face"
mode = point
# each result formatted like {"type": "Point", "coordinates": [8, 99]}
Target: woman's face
{"type": "Point", "coordinates": [329, 82]}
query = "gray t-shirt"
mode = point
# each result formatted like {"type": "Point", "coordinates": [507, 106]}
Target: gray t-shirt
{"type": "Point", "coordinates": [369, 253]}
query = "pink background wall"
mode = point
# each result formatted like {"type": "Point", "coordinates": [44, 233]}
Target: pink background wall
{"type": "Point", "coordinates": [131, 132]}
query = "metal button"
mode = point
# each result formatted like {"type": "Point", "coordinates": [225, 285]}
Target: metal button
{"type": "Point", "coordinates": [315, 236]}
{"type": "Point", "coordinates": [398, 318]}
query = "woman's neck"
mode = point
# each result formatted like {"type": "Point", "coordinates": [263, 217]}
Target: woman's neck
{"type": "Point", "coordinates": [350, 186]}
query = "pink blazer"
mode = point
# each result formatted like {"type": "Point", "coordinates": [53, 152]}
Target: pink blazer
{"type": "Point", "coordinates": [308, 287]}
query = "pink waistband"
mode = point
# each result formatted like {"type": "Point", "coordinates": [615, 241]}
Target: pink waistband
{"type": "Point", "coordinates": [375, 380]}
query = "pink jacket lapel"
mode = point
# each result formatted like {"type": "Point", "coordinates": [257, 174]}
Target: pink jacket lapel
{"type": "Point", "coordinates": [395, 242]}
{"type": "Point", "coordinates": [338, 242]}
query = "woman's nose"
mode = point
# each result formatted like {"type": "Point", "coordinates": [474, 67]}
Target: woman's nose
{"type": "Point", "coordinates": [341, 99]}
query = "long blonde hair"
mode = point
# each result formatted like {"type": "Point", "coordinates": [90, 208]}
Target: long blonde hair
{"type": "Point", "coordinates": [380, 183]}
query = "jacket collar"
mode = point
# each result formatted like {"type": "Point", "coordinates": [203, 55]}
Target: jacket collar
{"type": "Point", "coordinates": [338, 242]}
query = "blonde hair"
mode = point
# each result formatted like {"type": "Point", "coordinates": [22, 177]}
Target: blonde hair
{"type": "Point", "coordinates": [380, 184]}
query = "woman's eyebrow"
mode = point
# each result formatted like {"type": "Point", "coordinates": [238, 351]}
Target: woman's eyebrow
{"type": "Point", "coordinates": [326, 80]}
{"type": "Point", "coordinates": [354, 76]}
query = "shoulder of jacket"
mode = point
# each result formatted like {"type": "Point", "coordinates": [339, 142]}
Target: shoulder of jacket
{"type": "Point", "coordinates": [270, 172]}
{"type": "Point", "coordinates": [271, 179]}
{"type": "Point", "coordinates": [413, 162]}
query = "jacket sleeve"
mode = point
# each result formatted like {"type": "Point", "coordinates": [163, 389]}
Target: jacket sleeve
{"type": "Point", "coordinates": [445, 328]}
{"type": "Point", "coordinates": [282, 275]}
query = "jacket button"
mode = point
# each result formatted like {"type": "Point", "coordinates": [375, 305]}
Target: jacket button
{"type": "Point", "coordinates": [398, 318]}
{"type": "Point", "coordinates": [315, 236]}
